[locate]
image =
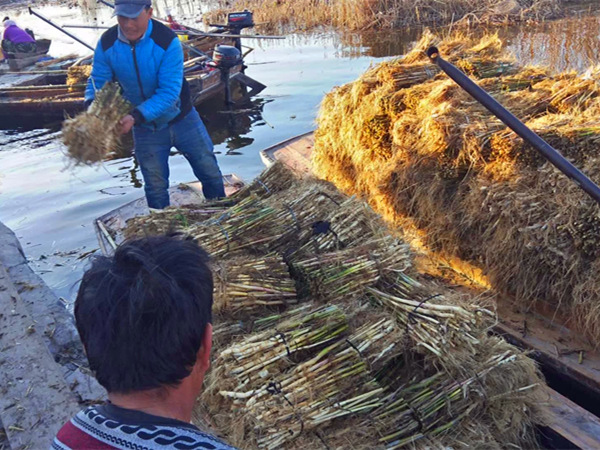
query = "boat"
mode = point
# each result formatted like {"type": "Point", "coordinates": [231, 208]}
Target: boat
{"type": "Point", "coordinates": [574, 382]}
{"type": "Point", "coordinates": [18, 61]}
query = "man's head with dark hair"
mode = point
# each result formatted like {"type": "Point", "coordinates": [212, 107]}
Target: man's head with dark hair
{"type": "Point", "coordinates": [144, 316]}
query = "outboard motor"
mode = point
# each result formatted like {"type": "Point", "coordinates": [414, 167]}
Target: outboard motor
{"type": "Point", "coordinates": [225, 57]}
{"type": "Point", "coordinates": [237, 21]}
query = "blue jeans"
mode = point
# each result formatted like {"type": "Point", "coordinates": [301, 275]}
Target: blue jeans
{"type": "Point", "coordinates": [190, 137]}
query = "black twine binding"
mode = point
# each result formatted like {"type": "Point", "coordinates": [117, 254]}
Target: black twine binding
{"type": "Point", "coordinates": [264, 186]}
{"type": "Point", "coordinates": [281, 336]}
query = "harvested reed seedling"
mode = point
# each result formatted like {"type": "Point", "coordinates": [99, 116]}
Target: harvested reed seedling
{"type": "Point", "coordinates": [442, 163]}
{"type": "Point", "coordinates": [94, 135]}
{"type": "Point", "coordinates": [245, 285]}
{"type": "Point", "coordinates": [390, 360]}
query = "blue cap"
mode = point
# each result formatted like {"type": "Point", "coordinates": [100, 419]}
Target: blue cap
{"type": "Point", "coordinates": [130, 8]}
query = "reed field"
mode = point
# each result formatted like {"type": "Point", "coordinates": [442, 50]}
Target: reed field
{"type": "Point", "coordinates": [424, 153]}
{"type": "Point", "coordinates": [325, 334]}
{"type": "Point", "coordinates": [378, 14]}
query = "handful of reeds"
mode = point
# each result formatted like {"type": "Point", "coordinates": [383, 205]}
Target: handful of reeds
{"type": "Point", "coordinates": [244, 284]}
{"type": "Point", "coordinates": [95, 134]}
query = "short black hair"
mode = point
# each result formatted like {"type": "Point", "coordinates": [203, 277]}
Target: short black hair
{"type": "Point", "coordinates": [5, 19]}
{"type": "Point", "coordinates": [142, 313]}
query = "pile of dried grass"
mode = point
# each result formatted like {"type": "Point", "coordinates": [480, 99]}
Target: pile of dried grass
{"type": "Point", "coordinates": [422, 150]}
{"type": "Point", "coordinates": [377, 14]}
{"type": "Point", "coordinates": [344, 343]}
{"type": "Point", "coordinates": [93, 135]}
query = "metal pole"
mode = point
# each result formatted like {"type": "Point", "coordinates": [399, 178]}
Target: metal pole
{"type": "Point", "coordinates": [31, 11]}
{"type": "Point", "coordinates": [547, 151]}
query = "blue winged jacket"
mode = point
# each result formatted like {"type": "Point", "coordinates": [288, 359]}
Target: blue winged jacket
{"type": "Point", "coordinates": [149, 71]}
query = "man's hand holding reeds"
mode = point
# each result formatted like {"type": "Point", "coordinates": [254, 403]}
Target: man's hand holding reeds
{"type": "Point", "coordinates": [126, 123]}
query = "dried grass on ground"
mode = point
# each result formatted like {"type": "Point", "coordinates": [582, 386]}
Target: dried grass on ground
{"type": "Point", "coordinates": [373, 14]}
{"type": "Point", "coordinates": [325, 334]}
{"type": "Point", "coordinates": [417, 146]}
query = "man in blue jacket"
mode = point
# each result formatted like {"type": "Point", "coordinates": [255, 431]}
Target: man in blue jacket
{"type": "Point", "coordinates": [146, 58]}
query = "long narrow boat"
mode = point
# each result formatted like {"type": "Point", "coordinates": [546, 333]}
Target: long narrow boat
{"type": "Point", "coordinates": [574, 390]}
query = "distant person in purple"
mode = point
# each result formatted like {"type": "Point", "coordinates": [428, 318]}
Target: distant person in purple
{"type": "Point", "coordinates": [15, 39]}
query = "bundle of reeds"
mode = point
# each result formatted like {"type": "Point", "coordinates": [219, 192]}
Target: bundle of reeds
{"type": "Point", "coordinates": [430, 156]}
{"type": "Point", "coordinates": [330, 383]}
{"type": "Point", "coordinates": [301, 329]}
{"type": "Point", "coordinates": [172, 219]}
{"type": "Point", "coordinates": [247, 284]}
{"type": "Point", "coordinates": [347, 273]}
{"type": "Point", "coordinates": [435, 323]}
{"type": "Point", "coordinates": [91, 137]}
{"type": "Point", "coordinates": [266, 225]}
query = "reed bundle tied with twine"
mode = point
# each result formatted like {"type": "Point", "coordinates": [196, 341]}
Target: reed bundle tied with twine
{"type": "Point", "coordinates": [347, 273]}
{"type": "Point", "coordinates": [272, 180]}
{"type": "Point", "coordinates": [247, 284]}
{"type": "Point", "coordinates": [172, 219]}
{"type": "Point", "coordinates": [92, 136]}
{"type": "Point", "coordinates": [426, 155]}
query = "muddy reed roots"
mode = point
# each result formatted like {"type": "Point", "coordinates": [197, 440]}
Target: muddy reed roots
{"type": "Point", "coordinates": [325, 334]}
{"type": "Point", "coordinates": [421, 150]}
{"type": "Point", "coordinates": [378, 14]}
{"type": "Point", "coordinates": [94, 135]}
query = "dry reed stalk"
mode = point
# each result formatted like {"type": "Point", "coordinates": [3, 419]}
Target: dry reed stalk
{"type": "Point", "coordinates": [432, 154]}
{"type": "Point", "coordinates": [244, 285]}
{"type": "Point", "coordinates": [92, 136]}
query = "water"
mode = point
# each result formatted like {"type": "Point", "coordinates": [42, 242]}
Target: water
{"type": "Point", "coordinates": [51, 206]}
